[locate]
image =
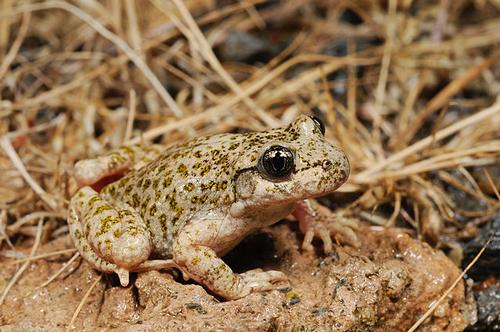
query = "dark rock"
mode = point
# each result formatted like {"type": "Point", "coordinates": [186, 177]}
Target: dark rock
{"type": "Point", "coordinates": [488, 313]}
{"type": "Point", "coordinates": [489, 263]}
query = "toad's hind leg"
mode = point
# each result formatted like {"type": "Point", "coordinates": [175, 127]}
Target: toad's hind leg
{"type": "Point", "coordinates": [112, 237]}
{"type": "Point", "coordinates": [115, 163]}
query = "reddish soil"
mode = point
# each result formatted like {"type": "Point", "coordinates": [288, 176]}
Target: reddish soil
{"type": "Point", "coordinates": [384, 286]}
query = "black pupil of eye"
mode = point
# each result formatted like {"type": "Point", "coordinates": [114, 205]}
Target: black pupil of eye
{"type": "Point", "coordinates": [319, 123]}
{"type": "Point", "coordinates": [277, 162]}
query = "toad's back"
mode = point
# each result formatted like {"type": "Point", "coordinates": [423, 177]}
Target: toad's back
{"type": "Point", "coordinates": [196, 177]}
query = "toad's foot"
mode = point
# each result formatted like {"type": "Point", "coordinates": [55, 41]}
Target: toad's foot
{"type": "Point", "coordinates": [317, 220]}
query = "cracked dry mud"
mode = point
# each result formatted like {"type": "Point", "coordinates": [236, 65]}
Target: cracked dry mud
{"type": "Point", "coordinates": [384, 286]}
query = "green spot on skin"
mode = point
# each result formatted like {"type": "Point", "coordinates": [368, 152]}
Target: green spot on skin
{"type": "Point", "coordinates": [207, 186]}
{"type": "Point", "coordinates": [215, 153]}
{"type": "Point", "coordinates": [195, 261]}
{"type": "Point", "coordinates": [163, 167]}
{"type": "Point", "coordinates": [103, 208]}
{"type": "Point", "coordinates": [128, 150]}
{"type": "Point", "coordinates": [128, 189]}
{"type": "Point", "coordinates": [135, 200]}
{"type": "Point", "coordinates": [106, 224]}
{"type": "Point", "coordinates": [203, 199]}
{"type": "Point", "coordinates": [133, 230]}
{"type": "Point", "coordinates": [223, 160]}
{"type": "Point", "coordinates": [123, 181]}
{"type": "Point", "coordinates": [205, 170]}
{"type": "Point", "coordinates": [189, 187]}
{"type": "Point", "coordinates": [182, 170]}
{"type": "Point", "coordinates": [125, 213]}
{"type": "Point", "coordinates": [176, 219]}
{"type": "Point", "coordinates": [234, 146]}
{"type": "Point", "coordinates": [222, 185]}
{"type": "Point", "coordinates": [163, 222]}
{"type": "Point", "coordinates": [94, 200]}
{"type": "Point", "coordinates": [167, 182]}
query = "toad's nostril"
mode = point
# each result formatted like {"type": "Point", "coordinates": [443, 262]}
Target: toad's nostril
{"type": "Point", "coordinates": [327, 164]}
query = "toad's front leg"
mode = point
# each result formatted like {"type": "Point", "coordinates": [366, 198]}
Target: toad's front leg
{"type": "Point", "coordinates": [194, 251]}
{"type": "Point", "coordinates": [317, 220]}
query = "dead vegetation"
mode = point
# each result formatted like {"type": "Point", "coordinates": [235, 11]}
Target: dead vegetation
{"type": "Point", "coordinates": [409, 89]}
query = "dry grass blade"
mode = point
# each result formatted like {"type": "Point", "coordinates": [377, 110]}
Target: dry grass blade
{"type": "Point", "coordinates": [36, 257]}
{"type": "Point", "coordinates": [226, 105]}
{"type": "Point", "coordinates": [366, 176]}
{"type": "Point", "coordinates": [25, 265]}
{"type": "Point", "coordinates": [445, 94]}
{"type": "Point", "coordinates": [6, 62]}
{"type": "Point", "coordinates": [18, 163]}
{"type": "Point", "coordinates": [455, 158]}
{"type": "Point", "coordinates": [5, 143]}
{"type": "Point", "coordinates": [492, 184]}
{"type": "Point", "coordinates": [60, 90]}
{"type": "Point", "coordinates": [55, 275]}
{"type": "Point", "coordinates": [384, 70]}
{"type": "Point", "coordinates": [216, 65]}
{"type": "Point", "coordinates": [13, 228]}
{"type": "Point", "coordinates": [82, 303]}
{"type": "Point", "coordinates": [448, 291]}
{"type": "Point", "coordinates": [131, 116]}
{"type": "Point", "coordinates": [119, 42]}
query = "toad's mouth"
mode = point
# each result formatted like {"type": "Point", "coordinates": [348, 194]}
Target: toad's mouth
{"type": "Point", "coordinates": [316, 181]}
{"type": "Point", "coordinates": [264, 194]}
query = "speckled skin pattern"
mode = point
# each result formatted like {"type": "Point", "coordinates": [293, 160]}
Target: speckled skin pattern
{"type": "Point", "coordinates": [187, 205]}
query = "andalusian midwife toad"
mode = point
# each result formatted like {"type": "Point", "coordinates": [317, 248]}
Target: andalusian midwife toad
{"type": "Point", "coordinates": [186, 206]}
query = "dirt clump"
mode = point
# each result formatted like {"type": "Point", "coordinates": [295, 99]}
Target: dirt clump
{"type": "Point", "coordinates": [383, 286]}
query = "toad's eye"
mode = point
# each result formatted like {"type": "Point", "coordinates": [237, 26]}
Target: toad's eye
{"type": "Point", "coordinates": [319, 123]}
{"type": "Point", "coordinates": [276, 163]}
